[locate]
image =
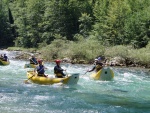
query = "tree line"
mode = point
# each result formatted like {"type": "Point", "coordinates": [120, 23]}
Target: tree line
{"type": "Point", "coordinates": [34, 23]}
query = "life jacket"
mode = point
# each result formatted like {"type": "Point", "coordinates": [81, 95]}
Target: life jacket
{"type": "Point", "coordinates": [40, 69]}
{"type": "Point", "coordinates": [33, 61]}
{"type": "Point", "coordinates": [5, 58]}
{"type": "Point", "coordinates": [58, 74]}
{"type": "Point", "coordinates": [98, 67]}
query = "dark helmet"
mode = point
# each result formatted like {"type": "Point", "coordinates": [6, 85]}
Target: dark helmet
{"type": "Point", "coordinates": [99, 59]}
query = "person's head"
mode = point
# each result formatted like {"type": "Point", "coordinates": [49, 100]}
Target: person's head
{"type": "Point", "coordinates": [32, 55]}
{"type": "Point", "coordinates": [4, 54]}
{"type": "Point", "coordinates": [40, 61]}
{"type": "Point", "coordinates": [96, 60]}
{"type": "Point", "coordinates": [57, 62]}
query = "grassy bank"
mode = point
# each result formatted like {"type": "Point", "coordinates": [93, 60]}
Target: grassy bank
{"type": "Point", "coordinates": [88, 50]}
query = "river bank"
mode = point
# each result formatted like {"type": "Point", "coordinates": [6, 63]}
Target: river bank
{"type": "Point", "coordinates": [108, 61]}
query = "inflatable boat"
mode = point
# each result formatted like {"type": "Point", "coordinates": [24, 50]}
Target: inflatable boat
{"type": "Point", "coordinates": [30, 66]}
{"type": "Point", "coordinates": [4, 62]}
{"type": "Point", "coordinates": [69, 80]}
{"type": "Point", "coordinates": [104, 74]}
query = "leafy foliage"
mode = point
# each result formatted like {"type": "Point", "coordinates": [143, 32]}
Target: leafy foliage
{"type": "Point", "coordinates": [112, 22]}
{"type": "Point", "coordinates": [75, 24]}
{"type": "Point", "coordinates": [6, 30]}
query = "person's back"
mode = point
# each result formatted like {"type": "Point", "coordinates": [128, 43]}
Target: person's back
{"type": "Point", "coordinates": [58, 71]}
{"type": "Point", "coordinates": [5, 58]}
{"type": "Point", "coordinates": [33, 60]}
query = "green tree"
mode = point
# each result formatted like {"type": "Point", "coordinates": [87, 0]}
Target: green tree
{"type": "Point", "coordinates": [85, 24]}
{"type": "Point", "coordinates": [137, 24]}
{"type": "Point", "coordinates": [6, 36]}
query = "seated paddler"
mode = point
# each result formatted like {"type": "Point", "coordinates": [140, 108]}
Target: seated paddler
{"type": "Point", "coordinates": [33, 60]}
{"type": "Point", "coordinates": [98, 65]}
{"type": "Point", "coordinates": [40, 69]}
{"type": "Point", "coordinates": [58, 71]}
{"type": "Point", "coordinates": [5, 58]}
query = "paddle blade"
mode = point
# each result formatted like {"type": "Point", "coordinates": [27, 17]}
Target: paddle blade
{"type": "Point", "coordinates": [26, 82]}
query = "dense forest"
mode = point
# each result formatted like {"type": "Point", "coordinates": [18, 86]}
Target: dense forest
{"type": "Point", "coordinates": [87, 27]}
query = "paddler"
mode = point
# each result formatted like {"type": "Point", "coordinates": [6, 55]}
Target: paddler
{"type": "Point", "coordinates": [58, 71]}
{"type": "Point", "coordinates": [40, 69]}
{"type": "Point", "coordinates": [98, 65]}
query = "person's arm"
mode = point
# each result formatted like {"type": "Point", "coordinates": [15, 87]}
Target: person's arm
{"type": "Point", "coordinates": [35, 69]}
{"type": "Point", "coordinates": [92, 69]}
{"type": "Point", "coordinates": [30, 59]}
{"type": "Point", "coordinates": [36, 61]}
{"type": "Point", "coordinates": [101, 64]}
{"type": "Point", "coordinates": [7, 59]}
{"type": "Point", "coordinates": [63, 73]}
{"type": "Point", "coordinates": [45, 67]}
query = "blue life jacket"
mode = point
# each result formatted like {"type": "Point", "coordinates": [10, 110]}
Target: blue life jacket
{"type": "Point", "coordinates": [40, 69]}
{"type": "Point", "coordinates": [5, 58]}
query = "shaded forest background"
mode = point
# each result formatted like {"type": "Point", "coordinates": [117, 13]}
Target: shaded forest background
{"type": "Point", "coordinates": [79, 29]}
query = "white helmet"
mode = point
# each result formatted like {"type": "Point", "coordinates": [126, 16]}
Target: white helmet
{"type": "Point", "coordinates": [32, 55]}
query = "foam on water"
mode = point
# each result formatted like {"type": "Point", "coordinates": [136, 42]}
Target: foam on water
{"type": "Point", "coordinates": [128, 92]}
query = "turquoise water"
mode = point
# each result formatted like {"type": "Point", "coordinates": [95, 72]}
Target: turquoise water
{"type": "Point", "coordinates": [129, 92]}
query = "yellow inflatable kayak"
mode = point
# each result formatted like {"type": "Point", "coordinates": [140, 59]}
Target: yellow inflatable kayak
{"type": "Point", "coordinates": [104, 74]}
{"type": "Point", "coordinates": [4, 62]}
{"type": "Point", "coordinates": [70, 80]}
{"type": "Point", "coordinates": [30, 66]}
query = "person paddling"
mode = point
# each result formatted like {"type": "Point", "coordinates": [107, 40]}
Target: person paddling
{"type": "Point", "coordinates": [97, 65]}
{"type": "Point", "coordinates": [33, 60]}
{"type": "Point", "coordinates": [58, 71]}
{"type": "Point", "coordinates": [40, 69]}
{"type": "Point", "coordinates": [5, 58]}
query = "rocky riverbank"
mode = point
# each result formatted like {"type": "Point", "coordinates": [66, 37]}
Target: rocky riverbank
{"type": "Point", "coordinates": [116, 61]}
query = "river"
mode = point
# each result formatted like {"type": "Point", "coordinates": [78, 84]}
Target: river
{"type": "Point", "coordinates": [129, 92]}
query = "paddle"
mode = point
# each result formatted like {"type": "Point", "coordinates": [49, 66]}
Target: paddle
{"type": "Point", "coordinates": [30, 65]}
{"type": "Point", "coordinates": [34, 60]}
{"type": "Point", "coordinates": [26, 81]}
{"type": "Point", "coordinates": [85, 73]}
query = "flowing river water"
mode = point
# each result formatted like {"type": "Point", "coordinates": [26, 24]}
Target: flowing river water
{"type": "Point", "coordinates": [128, 92]}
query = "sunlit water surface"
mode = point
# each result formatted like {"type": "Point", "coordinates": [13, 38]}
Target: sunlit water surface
{"type": "Point", "coordinates": [129, 92]}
